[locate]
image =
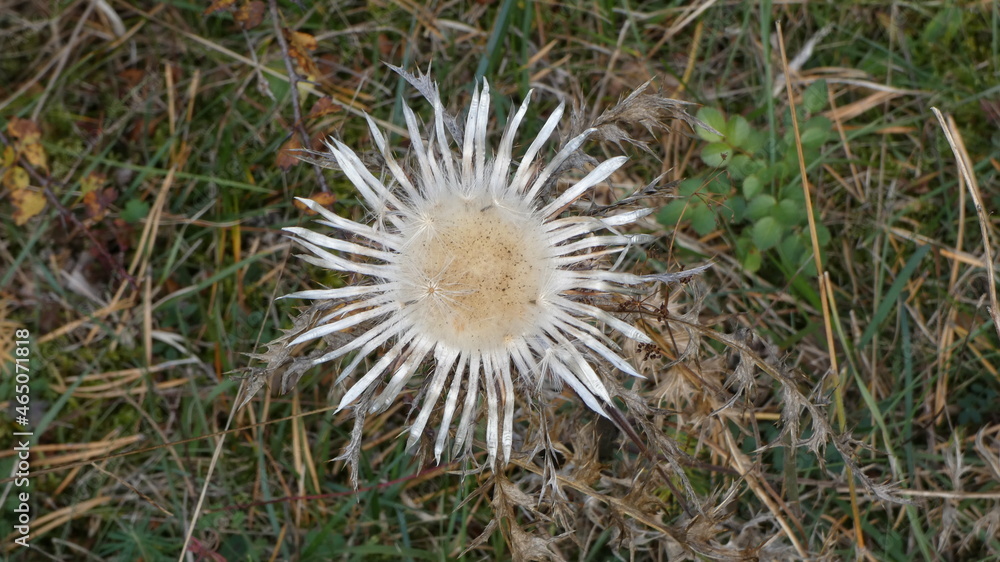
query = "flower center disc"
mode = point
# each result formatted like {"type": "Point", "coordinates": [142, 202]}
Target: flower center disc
{"type": "Point", "coordinates": [480, 268]}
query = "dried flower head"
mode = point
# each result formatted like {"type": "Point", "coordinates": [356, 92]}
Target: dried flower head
{"type": "Point", "coordinates": [468, 263]}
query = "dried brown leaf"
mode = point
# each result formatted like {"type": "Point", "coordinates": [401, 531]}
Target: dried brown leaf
{"type": "Point", "coordinates": [528, 546]}
{"type": "Point", "coordinates": [324, 106]}
{"type": "Point", "coordinates": [300, 45]}
{"type": "Point", "coordinates": [651, 111]}
{"type": "Point", "coordinates": [990, 456]}
{"type": "Point", "coordinates": [24, 130]}
{"type": "Point", "coordinates": [132, 77]}
{"type": "Point", "coordinates": [324, 198]}
{"type": "Point", "coordinates": [250, 14]}
{"type": "Point", "coordinates": [218, 6]}
{"type": "Point", "coordinates": [96, 202]}
{"type": "Point", "coordinates": [287, 154]}
{"type": "Point", "coordinates": [301, 40]}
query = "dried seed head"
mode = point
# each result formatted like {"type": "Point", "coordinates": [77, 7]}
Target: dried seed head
{"type": "Point", "coordinates": [479, 269]}
{"type": "Point", "coordinates": [468, 264]}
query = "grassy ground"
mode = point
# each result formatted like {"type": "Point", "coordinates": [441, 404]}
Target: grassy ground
{"type": "Point", "coordinates": [145, 182]}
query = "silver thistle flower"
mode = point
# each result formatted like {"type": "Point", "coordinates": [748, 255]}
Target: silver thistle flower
{"type": "Point", "coordinates": [469, 265]}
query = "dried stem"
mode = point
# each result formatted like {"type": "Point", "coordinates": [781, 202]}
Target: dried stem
{"type": "Point", "coordinates": [293, 80]}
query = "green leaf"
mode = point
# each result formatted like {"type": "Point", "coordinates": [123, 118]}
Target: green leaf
{"type": "Point", "coordinates": [943, 26]}
{"type": "Point", "coordinates": [807, 259]}
{"type": "Point", "coordinates": [760, 206]}
{"type": "Point", "coordinates": [714, 119]}
{"type": "Point", "coordinates": [766, 233]}
{"type": "Point", "coordinates": [135, 210]}
{"type": "Point", "coordinates": [738, 131]}
{"type": "Point", "coordinates": [795, 193]}
{"type": "Point", "coordinates": [752, 261]}
{"type": "Point", "coordinates": [816, 132]}
{"type": "Point", "coordinates": [739, 207]}
{"type": "Point", "coordinates": [822, 235]}
{"type": "Point", "coordinates": [752, 186]}
{"type": "Point", "coordinates": [811, 154]}
{"type": "Point", "coordinates": [789, 212]}
{"type": "Point", "coordinates": [796, 254]}
{"type": "Point", "coordinates": [814, 97]}
{"type": "Point", "coordinates": [781, 170]}
{"type": "Point", "coordinates": [791, 158]}
{"type": "Point", "coordinates": [740, 166]}
{"type": "Point", "coordinates": [724, 213]}
{"type": "Point", "coordinates": [388, 551]}
{"type": "Point", "coordinates": [689, 187]}
{"type": "Point", "coordinates": [766, 174]}
{"type": "Point", "coordinates": [278, 86]}
{"type": "Point", "coordinates": [716, 154]}
{"type": "Point", "coordinates": [755, 142]}
{"type": "Point", "coordinates": [702, 219]}
{"type": "Point", "coordinates": [719, 184]}
{"type": "Point", "coordinates": [791, 250]}
{"type": "Point", "coordinates": [671, 214]}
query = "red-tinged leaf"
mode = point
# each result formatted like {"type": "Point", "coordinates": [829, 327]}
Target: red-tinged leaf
{"type": "Point", "coordinates": [27, 203]}
{"type": "Point", "coordinates": [92, 204]}
{"type": "Point", "coordinates": [286, 157]}
{"type": "Point", "coordinates": [124, 235]}
{"type": "Point", "coordinates": [204, 553]}
{"type": "Point", "coordinates": [218, 6]}
{"type": "Point", "coordinates": [991, 108]}
{"type": "Point", "coordinates": [132, 77]}
{"type": "Point", "coordinates": [24, 130]}
{"type": "Point", "coordinates": [385, 45]}
{"type": "Point", "coordinates": [96, 202]}
{"type": "Point", "coordinates": [324, 106]}
{"type": "Point", "coordinates": [15, 178]}
{"type": "Point", "coordinates": [323, 198]}
{"type": "Point", "coordinates": [250, 14]}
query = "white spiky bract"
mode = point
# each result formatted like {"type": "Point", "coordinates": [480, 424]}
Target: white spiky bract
{"type": "Point", "coordinates": [469, 266]}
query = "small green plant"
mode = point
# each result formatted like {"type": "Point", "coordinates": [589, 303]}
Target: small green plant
{"type": "Point", "coordinates": [975, 406]}
{"type": "Point", "coordinates": [755, 189]}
